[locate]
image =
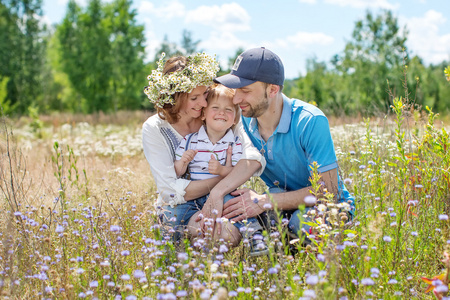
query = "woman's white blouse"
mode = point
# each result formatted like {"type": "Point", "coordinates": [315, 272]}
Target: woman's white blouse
{"type": "Point", "coordinates": [160, 140]}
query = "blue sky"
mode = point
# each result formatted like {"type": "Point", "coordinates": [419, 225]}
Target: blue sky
{"type": "Point", "coordinates": [294, 29]}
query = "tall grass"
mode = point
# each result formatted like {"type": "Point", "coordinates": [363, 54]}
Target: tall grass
{"type": "Point", "coordinates": [79, 221]}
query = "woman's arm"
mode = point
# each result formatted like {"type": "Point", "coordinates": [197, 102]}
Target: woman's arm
{"type": "Point", "coordinates": [172, 190]}
{"type": "Point", "coordinates": [160, 158]}
{"type": "Point", "coordinates": [243, 170]}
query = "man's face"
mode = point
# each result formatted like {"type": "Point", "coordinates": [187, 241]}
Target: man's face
{"type": "Point", "coordinates": [252, 99]}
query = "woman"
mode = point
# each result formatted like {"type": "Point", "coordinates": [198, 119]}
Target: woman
{"type": "Point", "coordinates": [178, 89]}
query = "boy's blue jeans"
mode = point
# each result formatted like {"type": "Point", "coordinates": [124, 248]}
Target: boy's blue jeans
{"type": "Point", "coordinates": [178, 217]}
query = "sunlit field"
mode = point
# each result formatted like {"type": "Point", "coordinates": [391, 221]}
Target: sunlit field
{"type": "Point", "coordinates": [78, 218]}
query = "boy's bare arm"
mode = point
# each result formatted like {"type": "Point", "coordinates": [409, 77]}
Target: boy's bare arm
{"type": "Point", "coordinates": [182, 164]}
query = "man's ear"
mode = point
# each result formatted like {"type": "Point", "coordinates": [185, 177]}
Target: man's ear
{"type": "Point", "coordinates": [273, 90]}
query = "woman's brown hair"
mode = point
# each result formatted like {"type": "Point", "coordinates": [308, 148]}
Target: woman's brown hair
{"type": "Point", "coordinates": [170, 112]}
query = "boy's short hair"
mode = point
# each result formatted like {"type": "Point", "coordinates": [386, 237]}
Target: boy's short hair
{"type": "Point", "coordinates": [217, 89]}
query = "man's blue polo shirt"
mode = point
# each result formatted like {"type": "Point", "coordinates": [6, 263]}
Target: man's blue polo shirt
{"type": "Point", "coordinates": [302, 137]}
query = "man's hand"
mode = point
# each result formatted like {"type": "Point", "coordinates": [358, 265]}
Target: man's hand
{"type": "Point", "coordinates": [246, 204]}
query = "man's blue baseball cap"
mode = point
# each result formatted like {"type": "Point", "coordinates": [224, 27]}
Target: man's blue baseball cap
{"type": "Point", "coordinates": [258, 64]}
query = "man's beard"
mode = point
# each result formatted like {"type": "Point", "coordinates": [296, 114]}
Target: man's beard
{"type": "Point", "coordinates": [259, 109]}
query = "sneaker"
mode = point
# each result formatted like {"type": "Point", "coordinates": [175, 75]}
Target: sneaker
{"type": "Point", "coordinates": [257, 245]}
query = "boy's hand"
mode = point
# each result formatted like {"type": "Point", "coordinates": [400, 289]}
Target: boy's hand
{"type": "Point", "coordinates": [188, 156]}
{"type": "Point", "coordinates": [214, 166]}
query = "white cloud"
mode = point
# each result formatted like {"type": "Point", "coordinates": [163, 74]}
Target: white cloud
{"type": "Point", "coordinates": [424, 39]}
{"type": "Point", "coordinates": [146, 7]}
{"type": "Point", "coordinates": [302, 40]}
{"type": "Point", "coordinates": [308, 1]}
{"type": "Point", "coordinates": [227, 17]}
{"type": "Point", "coordinates": [173, 9]}
{"type": "Point", "coordinates": [364, 3]}
{"type": "Point", "coordinates": [223, 40]}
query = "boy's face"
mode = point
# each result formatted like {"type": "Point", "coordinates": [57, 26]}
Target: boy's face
{"type": "Point", "coordinates": [220, 114]}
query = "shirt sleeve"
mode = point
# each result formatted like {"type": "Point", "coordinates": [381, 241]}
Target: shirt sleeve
{"type": "Point", "coordinates": [159, 156]}
{"type": "Point", "coordinates": [318, 144]}
{"type": "Point", "coordinates": [248, 150]}
{"type": "Point", "coordinates": [180, 150]}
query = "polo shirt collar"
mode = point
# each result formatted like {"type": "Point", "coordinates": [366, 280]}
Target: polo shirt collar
{"type": "Point", "coordinates": [202, 135]}
{"type": "Point", "coordinates": [285, 120]}
{"type": "Point", "coordinates": [227, 138]}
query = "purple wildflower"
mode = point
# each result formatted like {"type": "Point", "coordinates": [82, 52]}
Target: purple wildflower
{"type": "Point", "coordinates": [367, 281]}
{"type": "Point", "coordinates": [312, 280]}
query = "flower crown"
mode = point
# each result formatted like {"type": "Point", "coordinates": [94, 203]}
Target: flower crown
{"type": "Point", "coordinates": [200, 70]}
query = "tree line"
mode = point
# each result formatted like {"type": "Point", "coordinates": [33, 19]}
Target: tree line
{"type": "Point", "coordinates": [95, 60]}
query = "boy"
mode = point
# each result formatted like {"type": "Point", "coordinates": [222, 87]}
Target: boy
{"type": "Point", "coordinates": [203, 154]}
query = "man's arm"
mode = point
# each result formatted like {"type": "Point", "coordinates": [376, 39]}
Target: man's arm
{"type": "Point", "coordinates": [292, 200]}
{"type": "Point", "coordinates": [249, 204]}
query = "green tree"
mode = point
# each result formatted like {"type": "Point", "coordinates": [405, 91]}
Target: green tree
{"type": "Point", "coordinates": [22, 49]}
{"type": "Point", "coordinates": [59, 93]}
{"type": "Point", "coordinates": [101, 51]}
{"type": "Point", "coordinates": [373, 58]}
{"type": "Point", "coordinates": [127, 53]}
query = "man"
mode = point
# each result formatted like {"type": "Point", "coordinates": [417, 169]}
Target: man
{"type": "Point", "coordinates": [290, 133]}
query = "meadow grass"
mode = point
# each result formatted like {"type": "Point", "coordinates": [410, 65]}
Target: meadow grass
{"type": "Point", "coordinates": [79, 219]}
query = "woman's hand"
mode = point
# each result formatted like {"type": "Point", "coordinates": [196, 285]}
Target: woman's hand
{"type": "Point", "coordinates": [246, 204]}
{"type": "Point", "coordinates": [210, 216]}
